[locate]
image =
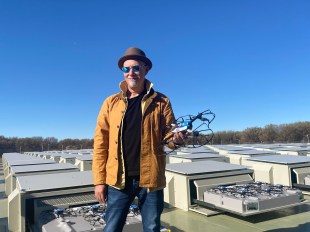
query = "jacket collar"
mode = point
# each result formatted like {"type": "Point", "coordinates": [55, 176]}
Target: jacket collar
{"type": "Point", "coordinates": [123, 87]}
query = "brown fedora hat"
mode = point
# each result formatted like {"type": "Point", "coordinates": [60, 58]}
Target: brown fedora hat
{"type": "Point", "coordinates": [134, 54]}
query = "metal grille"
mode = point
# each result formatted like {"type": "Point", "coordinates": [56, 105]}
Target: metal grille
{"type": "Point", "coordinates": [75, 199]}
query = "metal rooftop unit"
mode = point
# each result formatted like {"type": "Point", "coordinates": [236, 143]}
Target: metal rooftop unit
{"type": "Point", "coordinates": [223, 149]}
{"type": "Point", "coordinates": [192, 150]}
{"type": "Point", "coordinates": [84, 162]}
{"type": "Point", "coordinates": [38, 193]}
{"type": "Point", "coordinates": [10, 180]}
{"type": "Point", "coordinates": [68, 158]}
{"type": "Point", "coordinates": [8, 157]}
{"type": "Point", "coordinates": [196, 157]}
{"type": "Point", "coordinates": [197, 187]}
{"type": "Point", "coordinates": [292, 150]}
{"type": "Point", "coordinates": [56, 157]}
{"type": "Point", "coordinates": [35, 161]}
{"type": "Point", "coordinates": [237, 157]}
{"type": "Point", "coordinates": [281, 169]}
{"type": "Point", "coordinates": [186, 182]}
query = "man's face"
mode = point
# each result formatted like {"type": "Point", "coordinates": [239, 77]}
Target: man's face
{"type": "Point", "coordinates": [135, 79]}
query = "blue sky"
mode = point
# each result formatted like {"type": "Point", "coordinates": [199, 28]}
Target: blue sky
{"type": "Point", "coordinates": [247, 61]}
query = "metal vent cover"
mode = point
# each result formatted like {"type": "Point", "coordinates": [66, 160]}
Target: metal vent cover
{"type": "Point", "coordinates": [69, 200]}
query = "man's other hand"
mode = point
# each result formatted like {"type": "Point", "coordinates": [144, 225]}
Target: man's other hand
{"type": "Point", "coordinates": [100, 192]}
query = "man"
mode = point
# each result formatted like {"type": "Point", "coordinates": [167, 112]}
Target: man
{"type": "Point", "coordinates": [129, 160]}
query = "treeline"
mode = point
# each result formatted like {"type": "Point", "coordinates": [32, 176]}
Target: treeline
{"type": "Point", "coordinates": [284, 133]}
{"type": "Point", "coordinates": [14, 144]}
{"type": "Point", "coordinates": [298, 132]}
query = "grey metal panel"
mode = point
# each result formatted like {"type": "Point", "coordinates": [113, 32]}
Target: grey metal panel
{"type": "Point", "coordinates": [291, 149]}
{"type": "Point", "coordinates": [230, 147]}
{"type": "Point", "coordinates": [41, 168]}
{"type": "Point", "coordinates": [267, 146]}
{"type": "Point", "coordinates": [7, 156]}
{"type": "Point", "coordinates": [55, 181]}
{"type": "Point", "coordinates": [16, 156]}
{"type": "Point", "coordinates": [30, 162]}
{"type": "Point", "coordinates": [203, 167]}
{"type": "Point", "coordinates": [252, 152]}
{"type": "Point", "coordinates": [198, 156]}
{"type": "Point", "coordinates": [68, 156]}
{"type": "Point", "coordinates": [281, 159]}
{"type": "Point", "coordinates": [195, 150]}
{"type": "Point", "coordinates": [55, 154]}
{"type": "Point", "coordinates": [84, 157]}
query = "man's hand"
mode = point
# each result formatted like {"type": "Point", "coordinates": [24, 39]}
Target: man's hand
{"type": "Point", "coordinates": [100, 192]}
{"type": "Point", "coordinates": [178, 138]}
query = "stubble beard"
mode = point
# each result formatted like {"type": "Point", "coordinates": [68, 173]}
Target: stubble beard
{"type": "Point", "coordinates": [133, 84]}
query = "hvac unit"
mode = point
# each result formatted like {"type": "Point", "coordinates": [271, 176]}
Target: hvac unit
{"type": "Point", "coordinates": [34, 161]}
{"type": "Point", "coordinates": [85, 153]}
{"type": "Point", "coordinates": [283, 169]}
{"type": "Point", "coordinates": [68, 158]}
{"type": "Point", "coordinates": [56, 157]}
{"type": "Point", "coordinates": [199, 187]}
{"type": "Point", "coordinates": [46, 155]}
{"type": "Point", "coordinates": [38, 193]}
{"type": "Point", "coordinates": [10, 180]}
{"type": "Point", "coordinates": [193, 150]}
{"type": "Point", "coordinates": [292, 151]}
{"type": "Point", "coordinates": [224, 149]}
{"type": "Point", "coordinates": [40, 154]}
{"type": "Point", "coordinates": [181, 190]}
{"type": "Point", "coordinates": [84, 162]}
{"type": "Point", "coordinates": [7, 157]}
{"type": "Point", "coordinates": [89, 151]}
{"type": "Point", "coordinates": [196, 157]}
{"type": "Point", "coordinates": [30, 153]}
{"type": "Point", "coordinates": [59, 202]}
{"type": "Point", "coordinates": [237, 157]}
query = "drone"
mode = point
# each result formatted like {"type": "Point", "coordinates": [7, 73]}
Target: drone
{"type": "Point", "coordinates": [195, 127]}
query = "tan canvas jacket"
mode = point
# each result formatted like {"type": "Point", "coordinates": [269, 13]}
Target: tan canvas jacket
{"type": "Point", "coordinates": [108, 162]}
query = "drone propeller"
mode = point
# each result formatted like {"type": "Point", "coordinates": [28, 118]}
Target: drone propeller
{"type": "Point", "coordinates": [195, 127]}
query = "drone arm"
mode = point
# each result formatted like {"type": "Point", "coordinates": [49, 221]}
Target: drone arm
{"type": "Point", "coordinates": [184, 126]}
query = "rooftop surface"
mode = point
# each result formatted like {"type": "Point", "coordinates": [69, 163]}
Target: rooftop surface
{"type": "Point", "coordinates": [285, 220]}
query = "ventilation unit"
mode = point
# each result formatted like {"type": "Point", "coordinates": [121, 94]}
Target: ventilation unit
{"type": "Point", "coordinates": [196, 157]}
{"type": "Point", "coordinates": [237, 157]}
{"type": "Point", "coordinates": [287, 170]}
{"type": "Point", "coordinates": [34, 161]}
{"type": "Point", "coordinates": [10, 180]}
{"type": "Point", "coordinates": [181, 191]}
{"type": "Point", "coordinates": [68, 158]}
{"type": "Point", "coordinates": [223, 149]}
{"type": "Point", "coordinates": [56, 157]}
{"type": "Point", "coordinates": [197, 187]}
{"type": "Point", "coordinates": [7, 157]}
{"type": "Point", "coordinates": [34, 194]}
{"type": "Point", "coordinates": [84, 162]}
{"type": "Point", "coordinates": [189, 150]}
{"type": "Point", "coordinates": [292, 151]}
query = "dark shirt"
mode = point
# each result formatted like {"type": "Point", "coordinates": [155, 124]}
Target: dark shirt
{"type": "Point", "coordinates": [132, 135]}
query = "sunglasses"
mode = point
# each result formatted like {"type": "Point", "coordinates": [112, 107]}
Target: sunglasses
{"type": "Point", "coordinates": [135, 68]}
